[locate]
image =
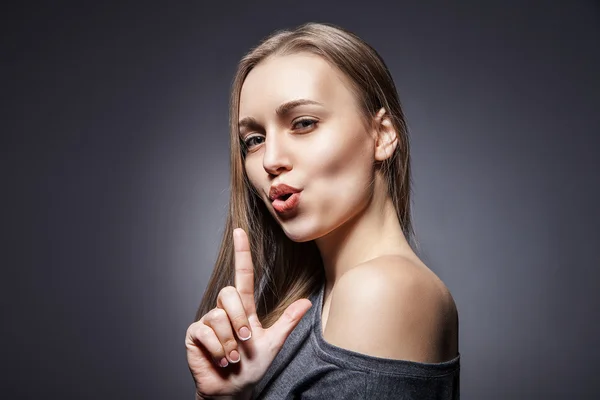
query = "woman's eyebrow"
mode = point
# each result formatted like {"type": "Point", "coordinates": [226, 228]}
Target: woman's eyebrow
{"type": "Point", "coordinates": [290, 105]}
{"type": "Point", "coordinates": [282, 110]}
{"type": "Point", "coordinates": [249, 123]}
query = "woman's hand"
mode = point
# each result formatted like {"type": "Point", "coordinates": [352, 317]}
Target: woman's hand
{"type": "Point", "coordinates": [222, 356]}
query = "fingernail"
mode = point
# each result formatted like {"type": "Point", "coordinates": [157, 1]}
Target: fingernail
{"type": "Point", "coordinates": [234, 356]}
{"type": "Point", "coordinates": [224, 362]}
{"type": "Point", "coordinates": [245, 333]}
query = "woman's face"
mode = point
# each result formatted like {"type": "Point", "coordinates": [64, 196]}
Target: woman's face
{"type": "Point", "coordinates": [303, 128]}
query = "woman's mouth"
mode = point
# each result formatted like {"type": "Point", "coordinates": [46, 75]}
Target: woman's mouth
{"type": "Point", "coordinates": [286, 203]}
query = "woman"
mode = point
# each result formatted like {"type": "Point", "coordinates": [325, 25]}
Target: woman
{"type": "Point", "coordinates": [320, 294]}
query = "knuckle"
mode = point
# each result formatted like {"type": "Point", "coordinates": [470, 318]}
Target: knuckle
{"type": "Point", "coordinates": [217, 314]}
{"type": "Point", "coordinates": [190, 330]}
{"type": "Point", "coordinates": [230, 344]}
{"type": "Point", "coordinates": [239, 320]}
{"type": "Point", "coordinates": [204, 333]}
{"type": "Point", "coordinates": [220, 314]}
{"type": "Point", "coordinates": [288, 316]}
{"type": "Point", "coordinates": [190, 334]}
{"type": "Point", "coordinates": [218, 353]}
{"type": "Point", "coordinates": [227, 291]}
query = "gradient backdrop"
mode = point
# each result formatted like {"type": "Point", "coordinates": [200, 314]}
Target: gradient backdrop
{"type": "Point", "coordinates": [114, 160]}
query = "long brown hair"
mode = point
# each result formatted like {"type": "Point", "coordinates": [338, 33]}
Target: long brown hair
{"type": "Point", "coordinates": [284, 270]}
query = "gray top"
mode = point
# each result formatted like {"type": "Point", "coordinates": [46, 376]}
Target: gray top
{"type": "Point", "coordinates": [308, 367]}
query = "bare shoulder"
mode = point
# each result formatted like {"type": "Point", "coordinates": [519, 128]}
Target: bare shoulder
{"type": "Point", "coordinates": [393, 307]}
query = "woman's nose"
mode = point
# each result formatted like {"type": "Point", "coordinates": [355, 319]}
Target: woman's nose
{"type": "Point", "coordinates": [276, 155]}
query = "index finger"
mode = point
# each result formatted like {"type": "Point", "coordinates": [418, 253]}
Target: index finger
{"type": "Point", "coordinates": [244, 270]}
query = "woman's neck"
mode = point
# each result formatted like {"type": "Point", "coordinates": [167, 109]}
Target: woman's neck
{"type": "Point", "coordinates": [373, 232]}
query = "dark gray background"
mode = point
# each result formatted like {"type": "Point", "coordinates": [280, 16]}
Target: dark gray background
{"type": "Point", "coordinates": [115, 180]}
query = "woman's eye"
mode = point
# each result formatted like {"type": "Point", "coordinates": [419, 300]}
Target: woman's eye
{"type": "Point", "coordinates": [304, 123]}
{"type": "Point", "coordinates": [252, 141]}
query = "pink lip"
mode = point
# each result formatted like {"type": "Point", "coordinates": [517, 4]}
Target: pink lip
{"type": "Point", "coordinates": [280, 190]}
{"type": "Point", "coordinates": [285, 206]}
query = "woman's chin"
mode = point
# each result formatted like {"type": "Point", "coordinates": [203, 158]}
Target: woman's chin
{"type": "Point", "coordinates": [299, 234]}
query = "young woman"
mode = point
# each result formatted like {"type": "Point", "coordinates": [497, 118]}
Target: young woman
{"type": "Point", "coordinates": [320, 295]}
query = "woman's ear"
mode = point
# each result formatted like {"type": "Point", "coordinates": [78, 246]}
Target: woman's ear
{"type": "Point", "coordinates": [386, 137]}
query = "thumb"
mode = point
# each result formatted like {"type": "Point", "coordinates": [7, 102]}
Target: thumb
{"type": "Point", "coordinates": [290, 318]}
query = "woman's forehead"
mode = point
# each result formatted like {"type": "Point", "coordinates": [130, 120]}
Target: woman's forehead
{"type": "Point", "coordinates": [280, 79]}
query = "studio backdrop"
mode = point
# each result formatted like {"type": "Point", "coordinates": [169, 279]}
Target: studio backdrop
{"type": "Point", "coordinates": [115, 175]}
